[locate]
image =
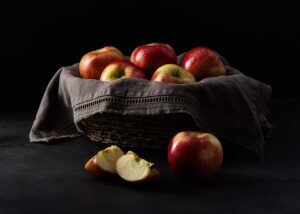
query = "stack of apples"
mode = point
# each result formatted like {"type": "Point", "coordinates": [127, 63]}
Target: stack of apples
{"type": "Point", "coordinates": [154, 61]}
{"type": "Point", "coordinates": [191, 154]}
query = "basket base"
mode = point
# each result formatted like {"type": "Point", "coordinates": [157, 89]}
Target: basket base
{"type": "Point", "coordinates": [151, 131]}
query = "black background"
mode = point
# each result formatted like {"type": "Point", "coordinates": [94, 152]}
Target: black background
{"type": "Point", "coordinates": [259, 39]}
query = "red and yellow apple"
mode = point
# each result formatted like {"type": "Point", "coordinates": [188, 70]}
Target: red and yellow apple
{"type": "Point", "coordinates": [194, 155]}
{"type": "Point", "coordinates": [103, 164]}
{"type": "Point", "coordinates": [121, 69]}
{"type": "Point", "coordinates": [92, 63]}
{"type": "Point", "coordinates": [134, 169]}
{"type": "Point", "coordinates": [151, 56]}
{"type": "Point", "coordinates": [203, 62]}
{"type": "Point", "coordinates": [172, 73]}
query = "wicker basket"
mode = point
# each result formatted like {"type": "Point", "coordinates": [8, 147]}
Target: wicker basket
{"type": "Point", "coordinates": [151, 131]}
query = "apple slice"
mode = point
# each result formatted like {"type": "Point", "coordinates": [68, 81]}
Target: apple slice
{"type": "Point", "coordinates": [134, 169]}
{"type": "Point", "coordinates": [103, 164]}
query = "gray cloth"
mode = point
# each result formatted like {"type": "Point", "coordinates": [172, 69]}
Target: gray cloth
{"type": "Point", "coordinates": [233, 107]}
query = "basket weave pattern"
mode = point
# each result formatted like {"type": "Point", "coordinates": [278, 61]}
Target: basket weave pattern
{"type": "Point", "coordinates": [152, 131]}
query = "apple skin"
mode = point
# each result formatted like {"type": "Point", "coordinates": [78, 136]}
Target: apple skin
{"type": "Point", "coordinates": [92, 63]}
{"type": "Point", "coordinates": [92, 167]}
{"type": "Point", "coordinates": [103, 164]}
{"type": "Point", "coordinates": [194, 155]}
{"type": "Point", "coordinates": [203, 62]}
{"type": "Point", "coordinates": [121, 69]}
{"type": "Point", "coordinates": [172, 73]}
{"type": "Point", "coordinates": [153, 55]}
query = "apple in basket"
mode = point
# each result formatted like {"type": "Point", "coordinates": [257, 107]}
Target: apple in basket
{"type": "Point", "coordinates": [121, 69]}
{"type": "Point", "coordinates": [151, 56]}
{"type": "Point", "coordinates": [194, 155]}
{"type": "Point", "coordinates": [134, 169]}
{"type": "Point", "coordinates": [103, 164]}
{"type": "Point", "coordinates": [92, 63]}
{"type": "Point", "coordinates": [171, 73]}
{"type": "Point", "coordinates": [203, 62]}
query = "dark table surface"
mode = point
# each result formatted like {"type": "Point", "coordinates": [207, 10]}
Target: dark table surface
{"type": "Point", "coordinates": [39, 178]}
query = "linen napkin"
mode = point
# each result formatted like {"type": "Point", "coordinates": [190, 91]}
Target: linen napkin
{"type": "Point", "coordinates": [233, 106]}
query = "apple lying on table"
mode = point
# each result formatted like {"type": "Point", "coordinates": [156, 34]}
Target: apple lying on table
{"type": "Point", "coordinates": [194, 155]}
{"type": "Point", "coordinates": [121, 69]}
{"type": "Point", "coordinates": [134, 169]}
{"type": "Point", "coordinates": [103, 164]}
{"type": "Point", "coordinates": [172, 73]}
{"type": "Point", "coordinates": [203, 62]}
{"type": "Point", "coordinates": [151, 56]}
{"type": "Point", "coordinates": [92, 63]}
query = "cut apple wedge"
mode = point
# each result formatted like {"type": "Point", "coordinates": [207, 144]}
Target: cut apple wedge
{"type": "Point", "coordinates": [134, 169]}
{"type": "Point", "coordinates": [103, 164]}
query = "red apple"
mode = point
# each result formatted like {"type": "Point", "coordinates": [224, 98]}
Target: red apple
{"type": "Point", "coordinates": [151, 56]}
{"type": "Point", "coordinates": [121, 69]}
{"type": "Point", "coordinates": [92, 63]}
{"type": "Point", "coordinates": [195, 155]}
{"type": "Point", "coordinates": [172, 73]}
{"type": "Point", "coordinates": [203, 62]}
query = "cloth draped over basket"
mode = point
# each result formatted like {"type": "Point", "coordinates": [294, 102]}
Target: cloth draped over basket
{"type": "Point", "coordinates": [136, 112]}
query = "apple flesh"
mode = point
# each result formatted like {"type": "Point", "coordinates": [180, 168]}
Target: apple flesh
{"type": "Point", "coordinates": [194, 155]}
{"type": "Point", "coordinates": [121, 69]}
{"type": "Point", "coordinates": [134, 169]}
{"type": "Point", "coordinates": [172, 73]}
{"type": "Point", "coordinates": [203, 62]}
{"type": "Point", "coordinates": [151, 56]}
{"type": "Point", "coordinates": [92, 63]}
{"type": "Point", "coordinates": [103, 164]}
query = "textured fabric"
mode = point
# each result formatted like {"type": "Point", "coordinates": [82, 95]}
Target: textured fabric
{"type": "Point", "coordinates": [233, 106]}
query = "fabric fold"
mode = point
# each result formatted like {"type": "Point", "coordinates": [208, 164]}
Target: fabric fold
{"type": "Point", "coordinates": [233, 106]}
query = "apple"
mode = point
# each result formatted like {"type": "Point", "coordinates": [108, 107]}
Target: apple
{"type": "Point", "coordinates": [172, 73]}
{"type": "Point", "coordinates": [203, 62]}
{"type": "Point", "coordinates": [103, 164]}
{"type": "Point", "coordinates": [121, 69]}
{"type": "Point", "coordinates": [194, 155]}
{"type": "Point", "coordinates": [92, 63]}
{"type": "Point", "coordinates": [151, 56]}
{"type": "Point", "coordinates": [134, 169]}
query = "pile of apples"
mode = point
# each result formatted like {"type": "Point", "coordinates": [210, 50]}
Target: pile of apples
{"type": "Point", "coordinates": [192, 155]}
{"type": "Point", "coordinates": [154, 61]}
